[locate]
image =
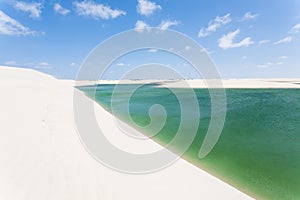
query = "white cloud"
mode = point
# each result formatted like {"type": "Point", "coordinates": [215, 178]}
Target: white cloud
{"type": "Point", "coordinates": [153, 50]}
{"type": "Point", "coordinates": [283, 57]}
{"type": "Point", "coordinates": [214, 25]}
{"type": "Point", "coordinates": [43, 65]}
{"type": "Point", "coordinates": [73, 64]}
{"type": "Point", "coordinates": [147, 8]}
{"type": "Point", "coordinates": [34, 9]}
{"type": "Point", "coordinates": [164, 25]}
{"type": "Point", "coordinates": [264, 42]}
{"type": "Point", "coordinates": [187, 48]}
{"type": "Point", "coordinates": [184, 65]}
{"type": "Point", "coordinates": [120, 64]}
{"type": "Point", "coordinates": [204, 50]}
{"type": "Point", "coordinates": [284, 40]}
{"type": "Point", "coordinates": [10, 63]}
{"type": "Point", "coordinates": [249, 16]}
{"type": "Point", "coordinates": [263, 66]}
{"type": "Point", "coordinates": [9, 26]}
{"type": "Point", "coordinates": [60, 10]}
{"type": "Point", "coordinates": [270, 64]}
{"type": "Point", "coordinates": [140, 26]}
{"type": "Point", "coordinates": [89, 8]}
{"type": "Point", "coordinates": [296, 28]}
{"type": "Point", "coordinates": [226, 41]}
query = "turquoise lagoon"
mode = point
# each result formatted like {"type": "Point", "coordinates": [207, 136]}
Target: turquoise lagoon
{"type": "Point", "coordinates": [259, 149]}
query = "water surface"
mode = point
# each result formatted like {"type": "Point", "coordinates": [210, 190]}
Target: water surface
{"type": "Point", "coordinates": [259, 149]}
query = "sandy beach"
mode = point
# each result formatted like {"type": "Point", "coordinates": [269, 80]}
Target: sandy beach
{"type": "Point", "coordinates": [41, 156]}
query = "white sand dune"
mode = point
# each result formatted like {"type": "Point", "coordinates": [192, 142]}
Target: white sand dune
{"type": "Point", "coordinates": [41, 157]}
{"type": "Point", "coordinates": [238, 83]}
{"type": "Point", "coordinates": [197, 83]}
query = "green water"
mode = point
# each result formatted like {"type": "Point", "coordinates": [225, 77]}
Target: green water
{"type": "Point", "coordinates": [259, 149]}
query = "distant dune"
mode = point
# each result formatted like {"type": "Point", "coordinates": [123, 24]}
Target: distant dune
{"type": "Point", "coordinates": [226, 83]}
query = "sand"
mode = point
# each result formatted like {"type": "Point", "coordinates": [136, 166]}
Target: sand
{"type": "Point", "coordinates": [41, 156]}
{"type": "Point", "coordinates": [226, 83]}
{"type": "Point", "coordinates": [239, 83]}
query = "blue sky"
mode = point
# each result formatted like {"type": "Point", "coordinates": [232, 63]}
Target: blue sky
{"type": "Point", "coordinates": [246, 38]}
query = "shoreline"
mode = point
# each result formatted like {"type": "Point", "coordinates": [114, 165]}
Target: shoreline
{"type": "Point", "coordinates": [42, 157]}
